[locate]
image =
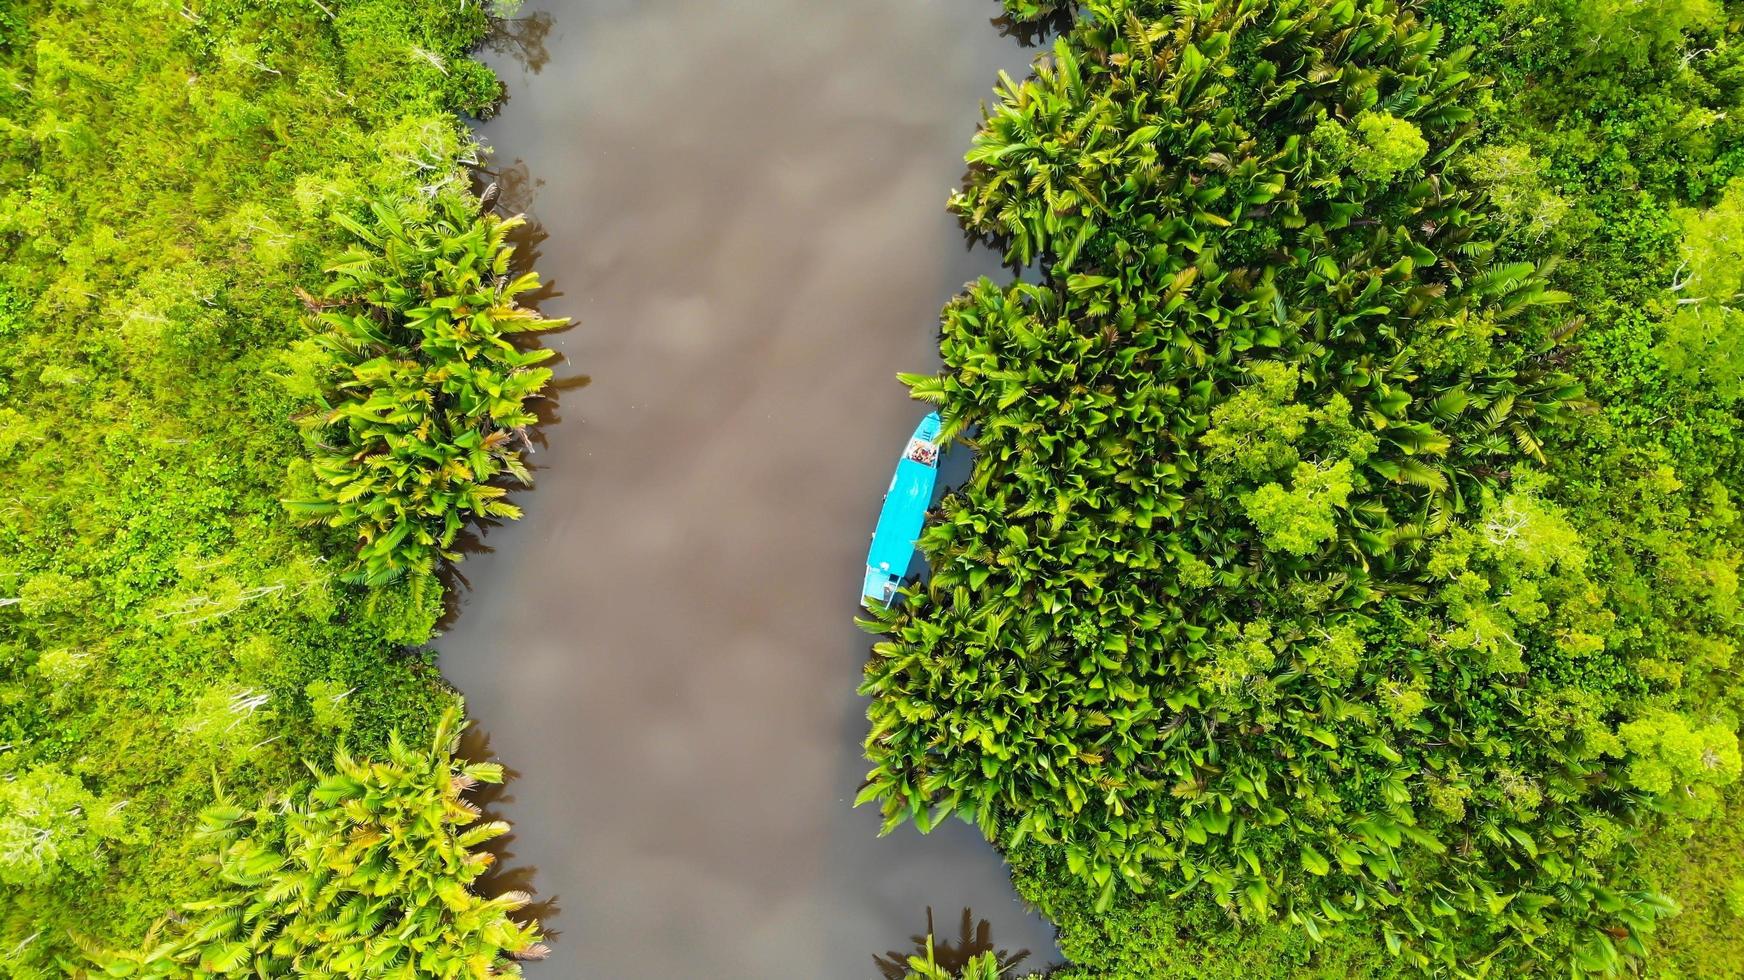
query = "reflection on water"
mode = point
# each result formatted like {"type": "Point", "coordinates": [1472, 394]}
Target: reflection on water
{"type": "Point", "coordinates": [743, 209]}
{"type": "Point", "coordinates": [1034, 33]}
{"type": "Point", "coordinates": [511, 191]}
{"type": "Point", "coordinates": [521, 39]}
{"type": "Point", "coordinates": [974, 937]}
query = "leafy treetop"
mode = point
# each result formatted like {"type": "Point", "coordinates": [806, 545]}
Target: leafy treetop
{"type": "Point", "coordinates": [367, 873]}
{"type": "Point", "coordinates": [1252, 593]}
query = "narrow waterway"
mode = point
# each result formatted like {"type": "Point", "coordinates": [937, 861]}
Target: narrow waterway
{"type": "Point", "coordinates": [742, 205]}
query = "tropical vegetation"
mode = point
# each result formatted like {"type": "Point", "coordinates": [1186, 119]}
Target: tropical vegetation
{"type": "Point", "coordinates": [367, 873]}
{"type": "Point", "coordinates": [1346, 581]}
{"type": "Point", "coordinates": [926, 967]}
{"type": "Point", "coordinates": [421, 393]}
{"type": "Point", "coordinates": [971, 955]}
{"type": "Point", "coordinates": [230, 229]}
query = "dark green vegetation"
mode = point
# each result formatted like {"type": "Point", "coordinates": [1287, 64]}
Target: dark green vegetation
{"type": "Point", "coordinates": [422, 396]}
{"type": "Point", "coordinates": [1346, 584]}
{"type": "Point", "coordinates": [172, 178]}
{"type": "Point", "coordinates": [366, 876]}
{"type": "Point", "coordinates": [1615, 141]}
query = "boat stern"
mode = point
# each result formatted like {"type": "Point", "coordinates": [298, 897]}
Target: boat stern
{"type": "Point", "coordinates": [879, 585]}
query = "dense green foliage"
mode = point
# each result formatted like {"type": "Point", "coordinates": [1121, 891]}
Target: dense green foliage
{"type": "Point", "coordinates": [422, 396]}
{"type": "Point", "coordinates": [1299, 589]}
{"type": "Point", "coordinates": [1617, 129]}
{"type": "Point", "coordinates": [1352, 554]}
{"type": "Point", "coordinates": [364, 874]}
{"type": "Point", "coordinates": [1181, 939]}
{"type": "Point", "coordinates": [171, 177]}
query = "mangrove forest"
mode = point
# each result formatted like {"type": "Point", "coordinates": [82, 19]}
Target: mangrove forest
{"type": "Point", "coordinates": [437, 440]}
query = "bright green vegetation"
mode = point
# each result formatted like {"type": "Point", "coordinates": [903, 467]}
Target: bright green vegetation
{"type": "Point", "coordinates": [422, 396]}
{"type": "Point", "coordinates": [969, 956]}
{"type": "Point", "coordinates": [1035, 11]}
{"type": "Point", "coordinates": [365, 874]}
{"type": "Point", "coordinates": [925, 966]}
{"type": "Point", "coordinates": [1615, 142]}
{"type": "Point", "coordinates": [173, 176]}
{"type": "Point", "coordinates": [1346, 584]}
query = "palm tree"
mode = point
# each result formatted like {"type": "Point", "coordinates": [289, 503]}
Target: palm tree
{"type": "Point", "coordinates": [971, 957]}
{"type": "Point", "coordinates": [369, 872]}
{"type": "Point", "coordinates": [424, 389]}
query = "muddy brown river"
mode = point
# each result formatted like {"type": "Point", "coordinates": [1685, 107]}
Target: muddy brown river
{"type": "Point", "coordinates": [742, 205]}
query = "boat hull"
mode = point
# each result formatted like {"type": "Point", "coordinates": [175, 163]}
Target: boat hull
{"type": "Point", "coordinates": [903, 515]}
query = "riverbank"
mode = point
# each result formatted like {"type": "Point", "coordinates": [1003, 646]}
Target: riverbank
{"type": "Point", "coordinates": [1346, 585]}
{"type": "Point", "coordinates": [170, 183]}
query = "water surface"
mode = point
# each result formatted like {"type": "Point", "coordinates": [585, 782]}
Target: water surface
{"type": "Point", "coordinates": [744, 210]}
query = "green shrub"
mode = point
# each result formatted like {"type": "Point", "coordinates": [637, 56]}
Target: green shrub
{"type": "Point", "coordinates": [51, 825]}
{"type": "Point", "coordinates": [1378, 148]}
{"type": "Point", "coordinates": [970, 956]}
{"type": "Point", "coordinates": [925, 966]}
{"type": "Point", "coordinates": [1253, 596]}
{"type": "Point", "coordinates": [422, 393]}
{"type": "Point", "coordinates": [168, 179]}
{"type": "Point", "coordinates": [368, 873]}
{"type": "Point", "coordinates": [1033, 11]}
{"type": "Point", "coordinates": [1140, 937]}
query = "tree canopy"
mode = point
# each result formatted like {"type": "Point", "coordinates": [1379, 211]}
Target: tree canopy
{"type": "Point", "coordinates": [171, 177]}
{"type": "Point", "coordinates": [421, 393]}
{"type": "Point", "coordinates": [1266, 589]}
{"type": "Point", "coordinates": [367, 873]}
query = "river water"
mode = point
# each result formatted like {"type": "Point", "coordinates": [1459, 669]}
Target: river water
{"type": "Point", "coordinates": [742, 205]}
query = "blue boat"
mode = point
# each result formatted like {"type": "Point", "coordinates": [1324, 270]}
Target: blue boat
{"type": "Point", "coordinates": [903, 515]}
